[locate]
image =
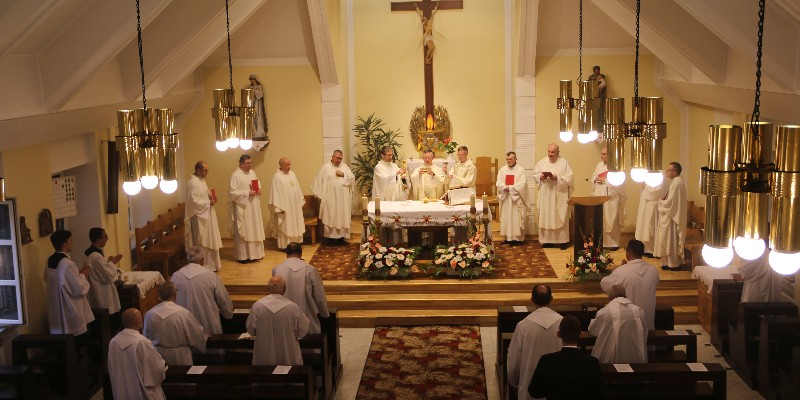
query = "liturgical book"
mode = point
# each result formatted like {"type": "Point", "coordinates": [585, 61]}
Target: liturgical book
{"type": "Point", "coordinates": [509, 180]}
{"type": "Point", "coordinates": [254, 185]}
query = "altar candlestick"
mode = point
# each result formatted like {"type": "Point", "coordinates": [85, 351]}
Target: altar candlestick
{"type": "Point", "coordinates": [485, 204]}
{"type": "Point", "coordinates": [377, 203]}
{"type": "Point", "coordinates": [472, 200]}
{"type": "Point", "coordinates": [364, 202]}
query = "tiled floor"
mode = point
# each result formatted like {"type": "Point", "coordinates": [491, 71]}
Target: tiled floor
{"type": "Point", "coordinates": [355, 346]}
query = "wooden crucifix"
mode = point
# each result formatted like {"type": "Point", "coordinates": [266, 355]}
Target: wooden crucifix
{"type": "Point", "coordinates": [427, 8]}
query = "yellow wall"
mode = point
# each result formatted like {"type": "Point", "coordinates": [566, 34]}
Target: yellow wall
{"type": "Point", "coordinates": [293, 102]}
{"type": "Point", "coordinates": [583, 158]}
{"type": "Point", "coordinates": [468, 71]}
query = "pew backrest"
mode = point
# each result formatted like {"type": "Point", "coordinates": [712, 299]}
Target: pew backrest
{"type": "Point", "coordinates": [239, 381]}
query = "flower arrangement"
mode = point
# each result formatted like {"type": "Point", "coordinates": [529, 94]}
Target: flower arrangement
{"type": "Point", "coordinates": [592, 263]}
{"type": "Point", "coordinates": [448, 145]}
{"type": "Point", "coordinates": [378, 261]}
{"type": "Point", "coordinates": [467, 260]}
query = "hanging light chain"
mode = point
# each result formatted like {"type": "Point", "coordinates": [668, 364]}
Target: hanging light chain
{"type": "Point", "coordinates": [636, 68]}
{"type": "Point", "coordinates": [141, 57]}
{"type": "Point", "coordinates": [580, 41]}
{"type": "Point", "coordinates": [754, 119]}
{"type": "Point", "coordinates": [228, 28]}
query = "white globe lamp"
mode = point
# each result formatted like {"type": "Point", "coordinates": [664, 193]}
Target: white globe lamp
{"type": "Point", "coordinates": [749, 249]}
{"type": "Point", "coordinates": [653, 179]}
{"type": "Point", "coordinates": [149, 182]}
{"type": "Point", "coordinates": [132, 188]}
{"type": "Point", "coordinates": [717, 257]}
{"type": "Point", "coordinates": [615, 178]}
{"type": "Point", "coordinates": [784, 263]}
{"type": "Point", "coordinates": [565, 136]}
{"type": "Point", "coordinates": [638, 174]}
{"type": "Point", "coordinates": [168, 187]}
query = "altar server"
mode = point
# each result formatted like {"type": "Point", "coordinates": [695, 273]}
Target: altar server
{"type": "Point", "coordinates": [512, 194]}
{"type": "Point", "coordinates": [202, 292]}
{"type": "Point", "coordinates": [173, 330]}
{"type": "Point", "coordinates": [639, 279]}
{"type": "Point", "coordinates": [389, 182]}
{"type": "Point", "coordinates": [244, 212]}
{"type": "Point", "coordinates": [303, 286]}
{"type": "Point", "coordinates": [647, 214]}
{"type": "Point", "coordinates": [462, 174]}
{"type": "Point", "coordinates": [334, 187]}
{"type": "Point", "coordinates": [68, 309]}
{"type": "Point", "coordinates": [103, 273]}
{"type": "Point", "coordinates": [286, 205]}
{"type": "Point", "coordinates": [553, 179]}
{"type": "Point", "coordinates": [534, 336]}
{"type": "Point", "coordinates": [134, 366]}
{"type": "Point", "coordinates": [200, 216]}
{"type": "Point", "coordinates": [427, 181]}
{"type": "Point", "coordinates": [613, 208]}
{"type": "Point", "coordinates": [620, 330]}
{"type": "Point", "coordinates": [672, 216]}
{"type": "Point", "coordinates": [277, 324]}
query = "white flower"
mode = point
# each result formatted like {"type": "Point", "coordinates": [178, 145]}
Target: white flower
{"type": "Point", "coordinates": [581, 260]}
{"type": "Point", "coordinates": [401, 257]}
{"type": "Point", "coordinates": [602, 258]}
{"type": "Point", "coordinates": [379, 256]}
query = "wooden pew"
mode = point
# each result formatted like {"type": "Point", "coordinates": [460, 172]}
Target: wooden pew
{"type": "Point", "coordinates": [240, 351]}
{"type": "Point", "coordinates": [57, 362]}
{"type": "Point", "coordinates": [790, 376]}
{"type": "Point", "coordinates": [239, 382]}
{"type": "Point", "coordinates": [779, 335]}
{"type": "Point", "coordinates": [161, 241]}
{"type": "Point", "coordinates": [311, 217]}
{"type": "Point", "coordinates": [17, 383]}
{"type": "Point", "coordinates": [664, 381]}
{"type": "Point", "coordinates": [744, 336]}
{"type": "Point", "coordinates": [330, 328]}
{"type": "Point", "coordinates": [726, 295]}
{"type": "Point", "coordinates": [695, 231]}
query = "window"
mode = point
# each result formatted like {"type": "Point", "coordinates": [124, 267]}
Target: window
{"type": "Point", "coordinates": [11, 310]}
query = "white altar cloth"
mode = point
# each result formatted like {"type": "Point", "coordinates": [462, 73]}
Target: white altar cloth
{"type": "Point", "coordinates": [144, 280]}
{"type": "Point", "coordinates": [707, 274]}
{"type": "Point", "coordinates": [412, 213]}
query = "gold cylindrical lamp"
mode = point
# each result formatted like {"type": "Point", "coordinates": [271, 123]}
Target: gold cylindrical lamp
{"type": "Point", "coordinates": [784, 236]}
{"type": "Point", "coordinates": [720, 182]}
{"type": "Point", "coordinates": [757, 157]}
{"type": "Point", "coordinates": [614, 133]}
{"type": "Point", "coordinates": [169, 169]}
{"type": "Point", "coordinates": [654, 130]}
{"type": "Point", "coordinates": [588, 107]}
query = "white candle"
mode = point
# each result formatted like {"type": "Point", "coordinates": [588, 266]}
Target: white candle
{"type": "Point", "coordinates": [377, 203]}
{"type": "Point", "coordinates": [485, 203]}
{"type": "Point", "coordinates": [472, 200]}
{"type": "Point", "coordinates": [364, 202]}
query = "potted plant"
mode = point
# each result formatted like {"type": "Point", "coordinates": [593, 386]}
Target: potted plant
{"type": "Point", "coordinates": [470, 259]}
{"type": "Point", "coordinates": [593, 262]}
{"type": "Point", "coordinates": [372, 137]}
{"type": "Point", "coordinates": [376, 261]}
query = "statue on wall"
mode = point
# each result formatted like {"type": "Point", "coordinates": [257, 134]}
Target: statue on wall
{"type": "Point", "coordinates": [427, 33]}
{"type": "Point", "coordinates": [602, 85]}
{"type": "Point", "coordinates": [45, 223]}
{"type": "Point", "coordinates": [24, 232]}
{"type": "Point", "coordinates": [261, 126]}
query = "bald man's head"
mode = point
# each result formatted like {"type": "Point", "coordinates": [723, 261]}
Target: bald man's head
{"type": "Point", "coordinates": [132, 319]}
{"type": "Point", "coordinates": [277, 285]}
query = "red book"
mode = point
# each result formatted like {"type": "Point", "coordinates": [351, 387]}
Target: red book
{"type": "Point", "coordinates": [509, 180]}
{"type": "Point", "coordinates": [603, 175]}
{"type": "Point", "coordinates": [254, 185]}
{"type": "Point", "coordinates": [213, 194]}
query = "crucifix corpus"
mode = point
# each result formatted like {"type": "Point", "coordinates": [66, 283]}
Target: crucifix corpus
{"type": "Point", "coordinates": [427, 9]}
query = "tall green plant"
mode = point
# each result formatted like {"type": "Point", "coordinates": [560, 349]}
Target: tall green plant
{"type": "Point", "coordinates": [372, 137]}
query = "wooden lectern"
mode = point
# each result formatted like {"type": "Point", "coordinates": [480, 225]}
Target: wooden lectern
{"type": "Point", "coordinates": [587, 218]}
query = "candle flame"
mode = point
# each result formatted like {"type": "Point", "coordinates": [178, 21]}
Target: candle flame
{"type": "Point", "coordinates": [429, 122]}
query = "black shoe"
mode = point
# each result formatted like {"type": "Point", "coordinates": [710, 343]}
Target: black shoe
{"type": "Point", "coordinates": [244, 261]}
{"type": "Point", "coordinates": [343, 242]}
{"type": "Point", "coordinates": [666, 268]}
{"type": "Point", "coordinates": [508, 242]}
{"type": "Point", "coordinates": [548, 245]}
{"type": "Point", "coordinates": [648, 255]}
{"type": "Point", "coordinates": [517, 243]}
{"type": "Point", "coordinates": [564, 246]}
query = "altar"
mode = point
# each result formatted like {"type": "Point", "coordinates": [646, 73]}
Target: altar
{"type": "Point", "coordinates": [426, 223]}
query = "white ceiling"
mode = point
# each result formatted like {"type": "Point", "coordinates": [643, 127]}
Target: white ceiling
{"type": "Point", "coordinates": [65, 63]}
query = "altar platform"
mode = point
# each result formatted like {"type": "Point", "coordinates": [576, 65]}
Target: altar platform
{"type": "Point", "coordinates": [366, 303]}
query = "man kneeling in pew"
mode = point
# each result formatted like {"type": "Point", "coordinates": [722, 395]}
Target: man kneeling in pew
{"type": "Point", "coordinates": [620, 330]}
{"type": "Point", "coordinates": [277, 324]}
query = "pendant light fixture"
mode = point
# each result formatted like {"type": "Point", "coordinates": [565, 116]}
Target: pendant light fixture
{"type": "Point", "coordinates": [147, 144]}
{"type": "Point", "coordinates": [234, 125]}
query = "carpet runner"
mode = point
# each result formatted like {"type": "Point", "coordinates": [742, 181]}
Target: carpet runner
{"type": "Point", "coordinates": [424, 362]}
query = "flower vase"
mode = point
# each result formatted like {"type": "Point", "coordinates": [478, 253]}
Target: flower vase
{"type": "Point", "coordinates": [592, 276]}
{"type": "Point", "coordinates": [450, 159]}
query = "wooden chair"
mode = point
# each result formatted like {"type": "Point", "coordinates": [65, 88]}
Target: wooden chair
{"type": "Point", "coordinates": [311, 216]}
{"type": "Point", "coordinates": [485, 180]}
{"type": "Point", "coordinates": [695, 234]}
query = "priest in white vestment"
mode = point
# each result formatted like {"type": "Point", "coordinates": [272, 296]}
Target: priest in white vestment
{"type": "Point", "coordinates": [202, 292]}
{"type": "Point", "coordinates": [245, 212]}
{"type": "Point", "coordinates": [534, 336]}
{"type": "Point", "coordinates": [620, 330]}
{"type": "Point", "coordinates": [553, 180]}
{"type": "Point", "coordinates": [613, 208]}
{"type": "Point", "coordinates": [672, 219]}
{"type": "Point", "coordinates": [68, 309]}
{"type": "Point", "coordinates": [286, 205]}
{"type": "Point", "coordinates": [333, 185]}
{"type": "Point", "coordinates": [647, 215]}
{"type": "Point", "coordinates": [102, 274]}
{"type": "Point", "coordinates": [303, 286]}
{"type": "Point", "coordinates": [134, 366]}
{"type": "Point", "coordinates": [173, 329]}
{"type": "Point", "coordinates": [201, 226]}
{"type": "Point", "coordinates": [512, 194]}
{"type": "Point", "coordinates": [639, 279]}
{"type": "Point", "coordinates": [462, 174]}
{"type": "Point", "coordinates": [427, 181]}
{"type": "Point", "coordinates": [389, 182]}
{"type": "Point", "coordinates": [760, 282]}
{"type": "Point", "coordinates": [277, 325]}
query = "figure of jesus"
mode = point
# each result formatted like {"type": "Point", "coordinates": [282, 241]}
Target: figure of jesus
{"type": "Point", "coordinates": [427, 34]}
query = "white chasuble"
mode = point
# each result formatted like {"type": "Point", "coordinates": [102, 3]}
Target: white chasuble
{"type": "Point", "coordinates": [462, 175]}
{"type": "Point", "coordinates": [640, 280]}
{"type": "Point", "coordinates": [387, 184]}
{"type": "Point", "coordinates": [621, 333]}
{"type": "Point", "coordinates": [613, 209]}
{"type": "Point", "coordinates": [286, 209]}
{"type": "Point", "coordinates": [68, 308]}
{"type": "Point", "coordinates": [304, 288]}
{"type": "Point", "coordinates": [245, 216]}
{"type": "Point", "coordinates": [102, 291]}
{"type": "Point", "coordinates": [135, 367]}
{"type": "Point", "coordinates": [553, 195]}
{"type": "Point", "coordinates": [174, 331]}
{"type": "Point", "coordinates": [424, 185]}
{"type": "Point", "coordinates": [672, 218]}
{"type": "Point", "coordinates": [202, 292]}
{"type": "Point", "coordinates": [336, 199]}
{"type": "Point", "coordinates": [534, 336]}
{"type": "Point", "coordinates": [647, 214]}
{"type": "Point", "coordinates": [201, 225]}
{"type": "Point", "coordinates": [761, 282]}
{"type": "Point", "coordinates": [512, 194]}
{"type": "Point", "coordinates": [277, 324]}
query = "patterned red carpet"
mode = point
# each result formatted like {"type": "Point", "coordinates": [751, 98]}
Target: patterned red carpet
{"type": "Point", "coordinates": [424, 362]}
{"type": "Point", "coordinates": [525, 261]}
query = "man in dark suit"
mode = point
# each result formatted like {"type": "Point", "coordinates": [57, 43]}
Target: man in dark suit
{"type": "Point", "coordinates": [569, 373]}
